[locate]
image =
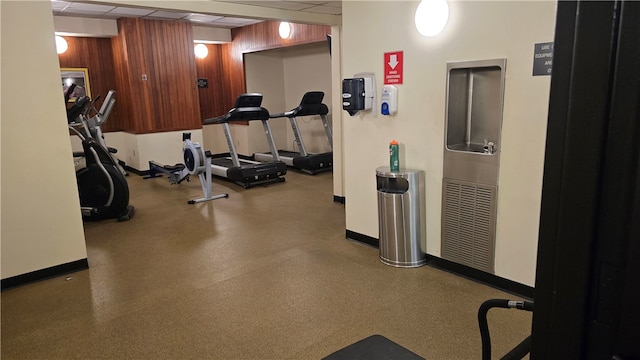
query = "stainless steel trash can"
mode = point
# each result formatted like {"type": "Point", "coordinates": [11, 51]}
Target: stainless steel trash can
{"type": "Point", "coordinates": [401, 217]}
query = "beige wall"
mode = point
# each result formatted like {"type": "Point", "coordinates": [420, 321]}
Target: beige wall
{"type": "Point", "coordinates": [476, 30]}
{"type": "Point", "coordinates": [165, 147]}
{"type": "Point", "coordinates": [41, 219]}
{"type": "Point", "coordinates": [308, 68]}
{"type": "Point", "coordinates": [87, 27]}
{"type": "Point", "coordinates": [337, 118]}
{"type": "Point", "coordinates": [264, 74]}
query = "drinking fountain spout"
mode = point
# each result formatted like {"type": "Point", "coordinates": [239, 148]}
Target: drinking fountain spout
{"type": "Point", "coordinates": [489, 147]}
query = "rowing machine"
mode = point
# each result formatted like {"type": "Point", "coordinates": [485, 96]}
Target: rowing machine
{"type": "Point", "coordinates": [196, 162]}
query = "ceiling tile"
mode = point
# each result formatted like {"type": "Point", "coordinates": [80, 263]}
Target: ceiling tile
{"type": "Point", "coordinates": [131, 12]}
{"type": "Point", "coordinates": [59, 5]}
{"type": "Point", "coordinates": [76, 12]}
{"type": "Point", "coordinates": [337, 4]}
{"type": "Point", "coordinates": [167, 15]}
{"type": "Point", "coordinates": [236, 21]}
{"type": "Point", "coordinates": [306, 2]}
{"type": "Point", "coordinates": [325, 10]}
{"type": "Point", "coordinates": [111, 16]}
{"type": "Point", "coordinates": [202, 18]}
{"type": "Point", "coordinates": [72, 8]}
{"type": "Point", "coordinates": [89, 7]}
{"type": "Point", "coordinates": [296, 6]}
{"type": "Point", "coordinates": [250, 2]}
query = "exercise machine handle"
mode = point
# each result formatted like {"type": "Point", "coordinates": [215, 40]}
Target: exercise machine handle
{"type": "Point", "coordinates": [519, 351]}
{"type": "Point", "coordinates": [67, 95]}
{"type": "Point", "coordinates": [91, 106]}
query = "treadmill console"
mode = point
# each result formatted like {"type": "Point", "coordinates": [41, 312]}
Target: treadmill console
{"type": "Point", "coordinates": [249, 100]}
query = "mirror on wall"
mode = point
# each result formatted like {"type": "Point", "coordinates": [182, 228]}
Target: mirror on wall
{"type": "Point", "coordinates": [78, 76]}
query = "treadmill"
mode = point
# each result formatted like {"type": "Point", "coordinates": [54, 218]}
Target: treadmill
{"type": "Point", "coordinates": [246, 173]}
{"type": "Point", "coordinates": [310, 105]}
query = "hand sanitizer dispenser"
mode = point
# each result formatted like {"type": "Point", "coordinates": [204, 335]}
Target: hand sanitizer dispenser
{"type": "Point", "coordinates": [389, 100]}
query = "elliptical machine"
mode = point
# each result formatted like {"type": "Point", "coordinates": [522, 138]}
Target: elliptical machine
{"type": "Point", "coordinates": [102, 187]}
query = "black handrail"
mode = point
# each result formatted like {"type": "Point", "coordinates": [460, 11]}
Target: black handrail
{"type": "Point", "coordinates": [519, 351]}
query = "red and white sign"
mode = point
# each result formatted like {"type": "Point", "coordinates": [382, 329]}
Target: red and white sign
{"type": "Point", "coordinates": [393, 62]}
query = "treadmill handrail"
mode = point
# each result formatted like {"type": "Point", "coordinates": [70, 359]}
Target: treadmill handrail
{"type": "Point", "coordinates": [315, 109]}
{"type": "Point", "coordinates": [239, 114]}
{"type": "Point", "coordinates": [311, 104]}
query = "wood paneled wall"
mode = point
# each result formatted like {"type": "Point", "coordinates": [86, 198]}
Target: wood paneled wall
{"type": "Point", "coordinates": [265, 36]}
{"type": "Point", "coordinates": [169, 100]}
{"type": "Point", "coordinates": [258, 37]}
{"type": "Point", "coordinates": [211, 98]}
{"type": "Point", "coordinates": [94, 54]}
{"type": "Point", "coordinates": [161, 52]}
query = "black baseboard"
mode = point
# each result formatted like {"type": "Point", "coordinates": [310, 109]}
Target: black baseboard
{"type": "Point", "coordinates": [338, 199]}
{"type": "Point", "coordinates": [494, 281]}
{"type": "Point", "coordinates": [43, 274]}
{"type": "Point", "coordinates": [363, 238]}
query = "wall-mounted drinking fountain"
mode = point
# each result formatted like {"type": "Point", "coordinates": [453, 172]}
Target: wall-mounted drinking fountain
{"type": "Point", "coordinates": [475, 94]}
{"type": "Point", "coordinates": [474, 106]}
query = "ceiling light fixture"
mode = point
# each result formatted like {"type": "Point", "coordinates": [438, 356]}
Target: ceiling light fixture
{"type": "Point", "coordinates": [285, 30]}
{"type": "Point", "coordinates": [431, 17]}
{"type": "Point", "coordinates": [201, 51]}
{"type": "Point", "coordinates": [61, 45]}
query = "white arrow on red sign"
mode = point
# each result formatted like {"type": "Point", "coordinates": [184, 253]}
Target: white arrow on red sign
{"type": "Point", "coordinates": [393, 60]}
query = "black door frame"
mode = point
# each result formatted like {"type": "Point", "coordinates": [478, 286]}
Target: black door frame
{"type": "Point", "coordinates": [588, 273]}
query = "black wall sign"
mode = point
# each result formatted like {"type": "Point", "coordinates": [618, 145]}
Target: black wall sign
{"type": "Point", "coordinates": [203, 83]}
{"type": "Point", "coordinates": [543, 59]}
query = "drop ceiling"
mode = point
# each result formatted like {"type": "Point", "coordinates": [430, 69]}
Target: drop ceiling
{"type": "Point", "coordinates": [104, 11]}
